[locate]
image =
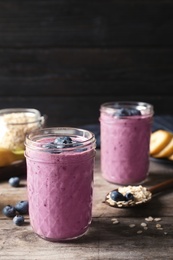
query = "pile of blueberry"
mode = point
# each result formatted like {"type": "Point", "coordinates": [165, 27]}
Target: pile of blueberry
{"type": "Point", "coordinates": [118, 196]}
{"type": "Point", "coordinates": [62, 142]}
{"type": "Point", "coordinates": [127, 112]}
{"type": "Point", "coordinates": [18, 211]}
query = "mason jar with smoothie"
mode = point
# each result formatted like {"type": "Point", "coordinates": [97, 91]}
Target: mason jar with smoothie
{"type": "Point", "coordinates": [125, 128]}
{"type": "Point", "coordinates": [60, 165]}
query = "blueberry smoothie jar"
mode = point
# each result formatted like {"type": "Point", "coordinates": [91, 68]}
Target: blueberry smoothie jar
{"type": "Point", "coordinates": [60, 165]}
{"type": "Point", "coordinates": [125, 129]}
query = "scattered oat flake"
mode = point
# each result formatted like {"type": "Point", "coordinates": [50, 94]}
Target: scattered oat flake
{"type": "Point", "coordinates": [145, 228]}
{"type": "Point", "coordinates": [149, 219]}
{"type": "Point", "coordinates": [139, 231]}
{"type": "Point", "coordinates": [132, 225]}
{"type": "Point", "coordinates": [158, 226]}
{"type": "Point", "coordinates": [143, 224]}
{"type": "Point", "coordinates": [115, 221]}
{"type": "Point", "coordinates": [165, 233]}
{"type": "Point", "coordinates": [157, 219]}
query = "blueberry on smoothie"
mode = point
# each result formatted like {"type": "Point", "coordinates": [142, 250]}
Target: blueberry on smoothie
{"type": "Point", "coordinates": [122, 112]}
{"type": "Point", "coordinates": [135, 112]}
{"type": "Point", "coordinates": [63, 141]}
{"type": "Point", "coordinates": [67, 140]}
{"type": "Point", "coordinates": [127, 112]}
{"type": "Point", "coordinates": [117, 196]}
{"type": "Point", "coordinates": [60, 142]}
{"type": "Point", "coordinates": [50, 145]}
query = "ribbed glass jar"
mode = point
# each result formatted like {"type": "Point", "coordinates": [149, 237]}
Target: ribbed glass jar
{"type": "Point", "coordinates": [125, 128]}
{"type": "Point", "coordinates": [60, 165]}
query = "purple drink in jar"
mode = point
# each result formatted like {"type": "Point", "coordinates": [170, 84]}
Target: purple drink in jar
{"type": "Point", "coordinates": [60, 164]}
{"type": "Point", "coordinates": [125, 129]}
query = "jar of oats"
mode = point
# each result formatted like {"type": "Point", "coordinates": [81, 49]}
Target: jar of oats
{"type": "Point", "coordinates": [15, 123]}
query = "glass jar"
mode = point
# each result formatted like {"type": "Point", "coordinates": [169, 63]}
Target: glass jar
{"type": "Point", "coordinates": [15, 123]}
{"type": "Point", "coordinates": [125, 129]}
{"type": "Point", "coordinates": [60, 164]}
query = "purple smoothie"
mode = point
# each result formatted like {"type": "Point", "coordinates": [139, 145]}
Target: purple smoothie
{"type": "Point", "coordinates": [59, 183]}
{"type": "Point", "coordinates": [125, 142]}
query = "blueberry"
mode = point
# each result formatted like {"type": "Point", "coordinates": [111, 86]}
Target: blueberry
{"type": "Point", "coordinates": [117, 196]}
{"type": "Point", "coordinates": [14, 181]}
{"type": "Point", "coordinates": [122, 112]}
{"type": "Point", "coordinates": [127, 112]}
{"type": "Point", "coordinates": [67, 140]}
{"type": "Point", "coordinates": [129, 196]}
{"type": "Point", "coordinates": [9, 211]}
{"type": "Point", "coordinates": [63, 141]}
{"type": "Point", "coordinates": [50, 145]}
{"type": "Point", "coordinates": [59, 142]}
{"type": "Point", "coordinates": [135, 112]}
{"type": "Point", "coordinates": [18, 220]}
{"type": "Point", "coordinates": [22, 207]}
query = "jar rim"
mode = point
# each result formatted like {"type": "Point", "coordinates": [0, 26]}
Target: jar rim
{"type": "Point", "coordinates": [112, 106]}
{"type": "Point", "coordinates": [33, 111]}
{"type": "Point", "coordinates": [33, 137]}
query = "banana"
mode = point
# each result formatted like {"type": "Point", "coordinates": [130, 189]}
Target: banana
{"type": "Point", "coordinates": [159, 140]}
{"type": "Point", "coordinates": [171, 157]}
{"type": "Point", "coordinates": [166, 151]}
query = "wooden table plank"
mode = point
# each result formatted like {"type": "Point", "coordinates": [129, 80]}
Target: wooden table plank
{"type": "Point", "coordinates": [105, 239]}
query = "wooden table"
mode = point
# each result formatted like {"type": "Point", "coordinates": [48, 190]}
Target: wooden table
{"type": "Point", "coordinates": [106, 239]}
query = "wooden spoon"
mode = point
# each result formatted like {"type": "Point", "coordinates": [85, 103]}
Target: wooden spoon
{"type": "Point", "coordinates": [149, 192]}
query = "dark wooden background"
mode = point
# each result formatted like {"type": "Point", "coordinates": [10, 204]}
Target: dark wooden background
{"type": "Point", "coordinates": [66, 58]}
